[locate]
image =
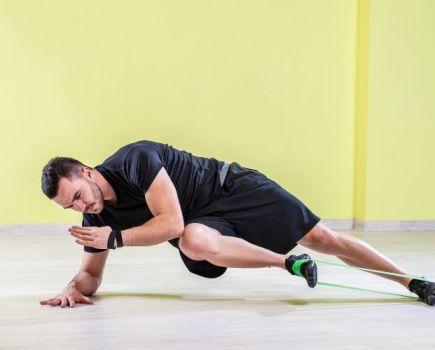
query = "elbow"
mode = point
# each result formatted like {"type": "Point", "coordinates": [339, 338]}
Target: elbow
{"type": "Point", "coordinates": [174, 226]}
{"type": "Point", "coordinates": [179, 228]}
{"type": "Point", "coordinates": [178, 232]}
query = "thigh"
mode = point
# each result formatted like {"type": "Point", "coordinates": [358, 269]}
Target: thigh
{"type": "Point", "coordinates": [217, 223]}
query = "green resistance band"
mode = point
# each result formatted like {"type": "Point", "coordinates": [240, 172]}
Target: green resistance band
{"type": "Point", "coordinates": [364, 289]}
{"type": "Point", "coordinates": [371, 270]}
{"type": "Point", "coordinates": [297, 269]}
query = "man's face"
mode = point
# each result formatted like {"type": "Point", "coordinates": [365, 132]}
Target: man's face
{"type": "Point", "coordinates": [80, 194]}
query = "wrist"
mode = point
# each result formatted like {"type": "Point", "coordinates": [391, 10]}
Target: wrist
{"type": "Point", "coordinates": [115, 239]}
{"type": "Point", "coordinates": [127, 237]}
{"type": "Point", "coordinates": [72, 284]}
{"type": "Point", "coordinates": [119, 239]}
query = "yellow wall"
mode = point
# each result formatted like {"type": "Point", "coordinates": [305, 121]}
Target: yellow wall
{"type": "Point", "coordinates": [401, 111]}
{"type": "Point", "coordinates": [361, 107]}
{"type": "Point", "coordinates": [267, 83]}
{"type": "Point", "coordinates": [333, 99]}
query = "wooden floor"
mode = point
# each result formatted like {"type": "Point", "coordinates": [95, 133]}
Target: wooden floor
{"type": "Point", "coordinates": [149, 300]}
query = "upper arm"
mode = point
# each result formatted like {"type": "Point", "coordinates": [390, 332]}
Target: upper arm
{"type": "Point", "coordinates": [162, 199]}
{"type": "Point", "coordinates": [145, 169]}
{"type": "Point", "coordinates": [93, 263]}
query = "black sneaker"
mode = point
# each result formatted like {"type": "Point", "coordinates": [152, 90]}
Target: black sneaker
{"type": "Point", "coordinates": [424, 289]}
{"type": "Point", "coordinates": [307, 269]}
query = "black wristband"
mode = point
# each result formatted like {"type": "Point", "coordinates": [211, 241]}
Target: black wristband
{"type": "Point", "coordinates": [118, 236]}
{"type": "Point", "coordinates": [111, 241]}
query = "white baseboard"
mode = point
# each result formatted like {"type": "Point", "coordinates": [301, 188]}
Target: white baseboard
{"type": "Point", "coordinates": [340, 224]}
{"type": "Point", "coordinates": [417, 225]}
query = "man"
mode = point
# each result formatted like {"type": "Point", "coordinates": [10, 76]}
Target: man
{"type": "Point", "coordinates": [218, 215]}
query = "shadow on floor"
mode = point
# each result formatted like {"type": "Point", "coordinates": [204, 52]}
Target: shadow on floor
{"type": "Point", "coordinates": [313, 301]}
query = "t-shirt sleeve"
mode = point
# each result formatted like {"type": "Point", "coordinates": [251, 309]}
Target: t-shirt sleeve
{"type": "Point", "coordinates": [86, 222]}
{"type": "Point", "coordinates": [142, 165]}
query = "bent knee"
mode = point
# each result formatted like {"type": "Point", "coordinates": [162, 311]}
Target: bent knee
{"type": "Point", "coordinates": [322, 238]}
{"type": "Point", "coordinates": [198, 241]}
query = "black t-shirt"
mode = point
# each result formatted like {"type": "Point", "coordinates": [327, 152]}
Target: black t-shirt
{"type": "Point", "coordinates": [132, 169]}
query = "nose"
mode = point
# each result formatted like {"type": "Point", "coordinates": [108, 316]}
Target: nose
{"type": "Point", "coordinates": [80, 205]}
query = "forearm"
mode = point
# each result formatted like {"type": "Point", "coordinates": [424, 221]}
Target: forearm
{"type": "Point", "coordinates": [85, 283]}
{"type": "Point", "coordinates": [159, 229]}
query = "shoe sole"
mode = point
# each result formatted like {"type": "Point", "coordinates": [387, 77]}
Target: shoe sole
{"type": "Point", "coordinates": [311, 274]}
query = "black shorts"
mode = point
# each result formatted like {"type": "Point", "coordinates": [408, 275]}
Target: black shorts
{"type": "Point", "coordinates": [251, 206]}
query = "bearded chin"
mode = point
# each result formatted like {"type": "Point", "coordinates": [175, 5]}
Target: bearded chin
{"type": "Point", "coordinates": [98, 195]}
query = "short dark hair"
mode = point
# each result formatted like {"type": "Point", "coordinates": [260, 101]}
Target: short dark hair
{"type": "Point", "coordinates": [55, 169]}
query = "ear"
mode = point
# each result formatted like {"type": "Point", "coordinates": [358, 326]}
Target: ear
{"type": "Point", "coordinates": [87, 172]}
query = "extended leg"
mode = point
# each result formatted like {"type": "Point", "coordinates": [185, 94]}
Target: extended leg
{"type": "Point", "coordinates": [352, 251]}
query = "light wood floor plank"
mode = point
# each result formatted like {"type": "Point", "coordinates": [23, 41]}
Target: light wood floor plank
{"type": "Point", "coordinates": [148, 300]}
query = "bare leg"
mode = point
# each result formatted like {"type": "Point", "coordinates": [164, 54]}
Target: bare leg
{"type": "Point", "coordinates": [352, 251]}
{"type": "Point", "coordinates": [200, 242]}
